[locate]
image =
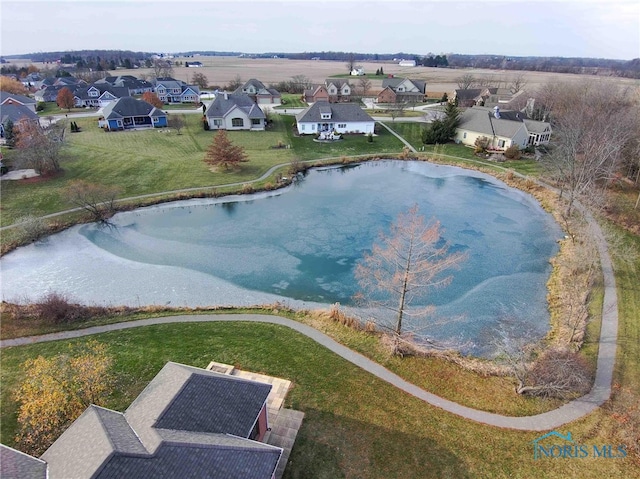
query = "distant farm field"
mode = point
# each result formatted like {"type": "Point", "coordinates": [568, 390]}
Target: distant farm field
{"type": "Point", "coordinates": [221, 70]}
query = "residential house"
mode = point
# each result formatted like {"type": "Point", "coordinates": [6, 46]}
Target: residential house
{"type": "Point", "coordinates": [49, 93]}
{"type": "Point", "coordinates": [98, 95]}
{"type": "Point", "coordinates": [317, 93]}
{"type": "Point", "coordinates": [339, 90]}
{"type": "Point", "coordinates": [489, 97]}
{"type": "Point", "coordinates": [231, 111]}
{"type": "Point", "coordinates": [128, 113]}
{"type": "Point", "coordinates": [15, 464]}
{"type": "Point", "coordinates": [502, 129]}
{"type": "Point", "coordinates": [15, 112]}
{"type": "Point", "coordinates": [133, 84]}
{"type": "Point", "coordinates": [33, 81]}
{"type": "Point", "coordinates": [402, 90]}
{"type": "Point", "coordinates": [357, 72]}
{"type": "Point", "coordinates": [323, 116]}
{"type": "Point", "coordinates": [407, 63]}
{"type": "Point", "coordinates": [262, 95]}
{"type": "Point", "coordinates": [187, 422]}
{"type": "Point", "coordinates": [11, 98]}
{"type": "Point", "coordinates": [170, 90]}
{"type": "Point", "coordinates": [63, 81]}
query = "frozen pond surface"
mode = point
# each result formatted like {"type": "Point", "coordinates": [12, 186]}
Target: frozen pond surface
{"type": "Point", "coordinates": [300, 246]}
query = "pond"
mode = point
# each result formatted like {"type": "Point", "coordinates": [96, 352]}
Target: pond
{"type": "Point", "coordinates": [300, 245]}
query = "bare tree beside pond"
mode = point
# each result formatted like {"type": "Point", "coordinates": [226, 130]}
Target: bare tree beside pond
{"type": "Point", "coordinates": [402, 266]}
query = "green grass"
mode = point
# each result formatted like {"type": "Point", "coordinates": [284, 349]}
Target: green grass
{"type": "Point", "coordinates": [51, 108]}
{"type": "Point", "coordinates": [291, 100]}
{"type": "Point", "coordinates": [305, 148]}
{"type": "Point", "coordinates": [355, 425]}
{"type": "Point", "coordinates": [141, 162]}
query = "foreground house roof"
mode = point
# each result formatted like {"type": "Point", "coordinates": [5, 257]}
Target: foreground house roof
{"type": "Point", "coordinates": [129, 107]}
{"type": "Point", "coordinates": [188, 422]}
{"type": "Point", "coordinates": [16, 112]}
{"type": "Point", "coordinates": [18, 465]}
{"type": "Point", "coordinates": [225, 103]}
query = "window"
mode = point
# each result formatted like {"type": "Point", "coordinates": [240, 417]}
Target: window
{"type": "Point", "coordinates": [501, 143]}
{"type": "Point", "coordinates": [255, 121]}
{"type": "Point", "coordinates": [302, 127]}
{"type": "Point", "coordinates": [237, 122]}
{"type": "Point", "coordinates": [342, 125]}
{"type": "Point", "coordinates": [464, 135]}
{"type": "Point", "coordinates": [217, 122]}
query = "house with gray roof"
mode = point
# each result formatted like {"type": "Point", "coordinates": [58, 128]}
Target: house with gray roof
{"type": "Point", "coordinates": [15, 112]}
{"type": "Point", "coordinates": [323, 116]}
{"type": "Point", "coordinates": [7, 98]}
{"type": "Point", "coordinates": [235, 111]}
{"type": "Point", "coordinates": [18, 465]}
{"type": "Point", "coordinates": [128, 113]}
{"type": "Point", "coordinates": [338, 90]}
{"type": "Point", "coordinates": [133, 84]}
{"type": "Point", "coordinates": [262, 95]}
{"type": "Point", "coordinates": [402, 90]}
{"type": "Point", "coordinates": [98, 95]}
{"type": "Point", "coordinates": [502, 129]}
{"type": "Point", "coordinates": [188, 422]}
{"type": "Point", "coordinates": [170, 90]}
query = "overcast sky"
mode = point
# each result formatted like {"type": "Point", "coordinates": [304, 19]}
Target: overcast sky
{"type": "Point", "coordinates": [568, 28]}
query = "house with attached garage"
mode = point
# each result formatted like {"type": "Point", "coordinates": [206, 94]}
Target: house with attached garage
{"type": "Point", "coordinates": [262, 95]}
{"type": "Point", "coordinates": [98, 95]}
{"type": "Point", "coordinates": [501, 129]}
{"type": "Point", "coordinates": [402, 90]}
{"type": "Point", "coordinates": [338, 90]}
{"type": "Point", "coordinates": [128, 113]}
{"type": "Point", "coordinates": [231, 111]}
{"type": "Point", "coordinates": [316, 93]}
{"type": "Point", "coordinates": [14, 99]}
{"type": "Point", "coordinates": [187, 423]}
{"type": "Point", "coordinates": [170, 90]}
{"type": "Point", "coordinates": [323, 116]}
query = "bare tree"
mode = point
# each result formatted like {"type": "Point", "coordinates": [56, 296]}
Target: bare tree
{"type": "Point", "coordinates": [97, 200]}
{"type": "Point", "coordinates": [466, 81]}
{"type": "Point", "coordinates": [162, 68]}
{"type": "Point", "coordinates": [235, 83]}
{"type": "Point", "coordinates": [397, 109]}
{"type": "Point", "coordinates": [200, 79]}
{"type": "Point", "coordinates": [39, 148]}
{"type": "Point", "coordinates": [365, 84]}
{"type": "Point", "coordinates": [300, 83]}
{"type": "Point", "coordinates": [351, 62]}
{"type": "Point", "coordinates": [590, 125]}
{"type": "Point", "coordinates": [517, 83]}
{"type": "Point", "coordinates": [176, 122]}
{"type": "Point", "coordinates": [403, 266]}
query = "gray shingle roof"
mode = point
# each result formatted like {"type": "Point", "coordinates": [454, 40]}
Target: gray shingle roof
{"type": "Point", "coordinates": [172, 430]}
{"type": "Point", "coordinates": [482, 120]}
{"type": "Point", "coordinates": [118, 92]}
{"type": "Point", "coordinates": [227, 405]}
{"type": "Point", "coordinates": [4, 96]}
{"type": "Point", "coordinates": [18, 465]}
{"type": "Point", "coordinates": [16, 112]}
{"type": "Point", "coordinates": [129, 106]}
{"type": "Point", "coordinates": [340, 112]}
{"type": "Point", "coordinates": [195, 461]}
{"type": "Point", "coordinates": [226, 102]}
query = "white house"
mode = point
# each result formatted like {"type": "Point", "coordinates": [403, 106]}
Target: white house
{"type": "Point", "coordinates": [357, 72]}
{"type": "Point", "coordinates": [323, 116]}
{"type": "Point", "coordinates": [407, 63]}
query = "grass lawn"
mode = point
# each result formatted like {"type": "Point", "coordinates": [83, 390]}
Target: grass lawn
{"type": "Point", "coordinates": [291, 100]}
{"type": "Point", "coordinates": [141, 162]}
{"type": "Point", "coordinates": [355, 426]}
{"type": "Point", "coordinates": [51, 108]}
{"type": "Point", "coordinates": [305, 148]}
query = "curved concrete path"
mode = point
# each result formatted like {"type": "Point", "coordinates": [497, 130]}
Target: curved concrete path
{"type": "Point", "coordinates": [600, 391]}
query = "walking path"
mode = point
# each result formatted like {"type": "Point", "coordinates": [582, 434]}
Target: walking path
{"type": "Point", "coordinates": [600, 391]}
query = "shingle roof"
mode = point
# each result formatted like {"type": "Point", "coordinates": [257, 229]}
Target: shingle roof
{"type": "Point", "coordinates": [129, 106]}
{"type": "Point", "coordinates": [16, 112]}
{"type": "Point", "coordinates": [18, 465]}
{"type": "Point", "coordinates": [4, 96]}
{"type": "Point", "coordinates": [482, 120]}
{"type": "Point", "coordinates": [194, 461]}
{"type": "Point", "coordinates": [226, 102]}
{"type": "Point", "coordinates": [118, 92]}
{"type": "Point", "coordinates": [340, 112]}
{"type": "Point", "coordinates": [177, 428]}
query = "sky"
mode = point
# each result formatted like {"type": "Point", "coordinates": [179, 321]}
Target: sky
{"type": "Point", "coordinates": [566, 28]}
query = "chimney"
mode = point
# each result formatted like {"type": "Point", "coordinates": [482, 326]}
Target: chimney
{"type": "Point", "coordinates": [496, 111]}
